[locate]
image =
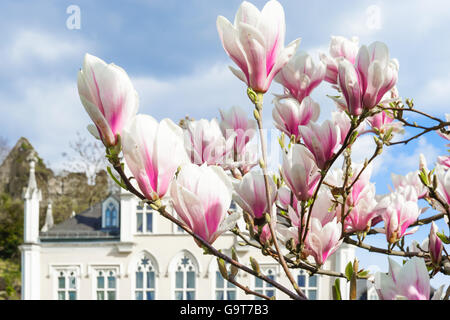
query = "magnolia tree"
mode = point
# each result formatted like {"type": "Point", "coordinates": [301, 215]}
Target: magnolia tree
{"type": "Point", "coordinates": [191, 172]}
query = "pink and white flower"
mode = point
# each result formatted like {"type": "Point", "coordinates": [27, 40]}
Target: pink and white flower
{"type": "Point", "coordinates": [300, 172]}
{"type": "Point", "coordinates": [108, 96]}
{"type": "Point", "coordinates": [443, 187]}
{"type": "Point", "coordinates": [250, 194]}
{"type": "Point", "coordinates": [365, 83]}
{"type": "Point", "coordinates": [235, 122]}
{"type": "Point", "coordinates": [410, 281]}
{"type": "Point", "coordinates": [340, 48]}
{"type": "Point", "coordinates": [343, 122]}
{"type": "Point", "coordinates": [363, 203]}
{"type": "Point", "coordinates": [256, 43]}
{"type": "Point", "coordinates": [301, 76]}
{"type": "Point", "coordinates": [435, 245]}
{"type": "Point", "coordinates": [384, 121]}
{"type": "Point", "coordinates": [201, 197]}
{"type": "Point", "coordinates": [322, 140]}
{"type": "Point", "coordinates": [288, 114]}
{"type": "Point", "coordinates": [205, 143]}
{"type": "Point", "coordinates": [147, 156]}
{"type": "Point", "coordinates": [411, 179]}
{"type": "Point", "coordinates": [399, 210]}
{"type": "Point", "coordinates": [446, 136]}
{"type": "Point", "coordinates": [444, 161]}
{"type": "Point", "coordinates": [323, 240]}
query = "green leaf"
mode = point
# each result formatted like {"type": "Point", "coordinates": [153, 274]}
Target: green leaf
{"type": "Point", "coordinates": [349, 271]}
{"type": "Point", "coordinates": [363, 273]}
{"type": "Point", "coordinates": [234, 269]}
{"type": "Point", "coordinates": [255, 265]}
{"type": "Point", "coordinates": [222, 268]}
{"type": "Point", "coordinates": [443, 237]}
{"type": "Point", "coordinates": [121, 184]}
{"type": "Point", "coordinates": [337, 289]}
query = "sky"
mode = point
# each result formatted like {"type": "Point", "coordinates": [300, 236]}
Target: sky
{"type": "Point", "coordinates": [172, 52]}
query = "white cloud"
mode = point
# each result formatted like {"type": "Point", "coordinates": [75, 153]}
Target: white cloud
{"type": "Point", "coordinates": [30, 49]}
{"type": "Point", "coordinates": [48, 113]}
{"type": "Point", "coordinates": [199, 94]}
{"type": "Point", "coordinates": [434, 95]}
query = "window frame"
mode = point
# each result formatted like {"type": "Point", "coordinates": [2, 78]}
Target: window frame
{"type": "Point", "coordinates": [105, 206]}
{"type": "Point", "coordinates": [144, 210]}
{"type": "Point", "coordinates": [265, 287]}
{"type": "Point", "coordinates": [225, 288]}
{"type": "Point", "coordinates": [184, 290]}
{"type": "Point", "coordinates": [57, 270]}
{"type": "Point", "coordinates": [151, 264]}
{"type": "Point", "coordinates": [106, 288]}
{"type": "Point", "coordinates": [306, 288]}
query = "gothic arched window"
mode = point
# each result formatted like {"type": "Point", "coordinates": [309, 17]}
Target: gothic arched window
{"type": "Point", "coordinates": [145, 285]}
{"type": "Point", "coordinates": [111, 216]}
{"type": "Point", "coordinates": [185, 279]}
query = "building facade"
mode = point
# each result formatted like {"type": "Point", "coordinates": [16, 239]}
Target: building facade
{"type": "Point", "coordinates": [118, 249]}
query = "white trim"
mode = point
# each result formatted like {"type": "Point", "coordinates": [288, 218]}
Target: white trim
{"type": "Point", "coordinates": [91, 267]}
{"type": "Point", "coordinates": [53, 266]}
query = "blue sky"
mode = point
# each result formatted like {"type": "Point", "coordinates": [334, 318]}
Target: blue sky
{"type": "Point", "coordinates": [174, 57]}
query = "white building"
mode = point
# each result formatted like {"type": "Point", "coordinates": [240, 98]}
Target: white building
{"type": "Point", "coordinates": [120, 250]}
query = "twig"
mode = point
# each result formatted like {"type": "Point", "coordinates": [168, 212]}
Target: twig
{"type": "Point", "coordinates": [258, 102]}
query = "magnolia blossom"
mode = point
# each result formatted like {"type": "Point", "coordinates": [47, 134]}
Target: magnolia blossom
{"type": "Point", "coordinates": [288, 114]}
{"type": "Point", "coordinates": [363, 203]}
{"type": "Point", "coordinates": [324, 207]}
{"type": "Point", "coordinates": [236, 123]}
{"type": "Point", "coordinates": [108, 96]}
{"type": "Point", "coordinates": [250, 194]}
{"type": "Point", "coordinates": [322, 140]}
{"type": "Point", "coordinates": [399, 210]}
{"type": "Point", "coordinates": [384, 121]}
{"type": "Point", "coordinates": [410, 281]}
{"type": "Point", "coordinates": [286, 198]}
{"type": "Point", "coordinates": [364, 83]}
{"type": "Point", "coordinates": [323, 240]}
{"type": "Point", "coordinates": [265, 234]}
{"type": "Point", "coordinates": [301, 75]}
{"type": "Point", "coordinates": [343, 122]}
{"type": "Point", "coordinates": [443, 187]}
{"type": "Point", "coordinates": [442, 134]}
{"type": "Point", "coordinates": [201, 197]}
{"type": "Point", "coordinates": [300, 172]}
{"type": "Point", "coordinates": [435, 245]}
{"type": "Point", "coordinates": [323, 210]}
{"type": "Point", "coordinates": [340, 48]}
{"type": "Point", "coordinates": [411, 179]}
{"type": "Point", "coordinates": [256, 43]}
{"type": "Point", "coordinates": [145, 149]}
{"type": "Point", "coordinates": [444, 161]}
{"type": "Point", "coordinates": [205, 143]}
